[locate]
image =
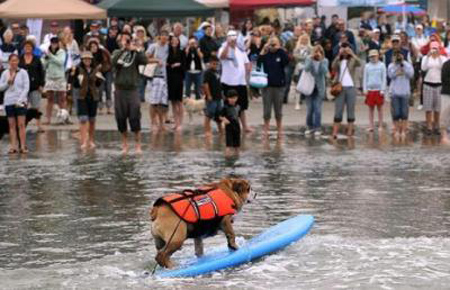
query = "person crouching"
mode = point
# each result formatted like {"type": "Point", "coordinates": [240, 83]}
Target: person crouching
{"type": "Point", "coordinates": [87, 80]}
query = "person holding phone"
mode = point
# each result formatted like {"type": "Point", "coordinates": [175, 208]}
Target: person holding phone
{"type": "Point", "coordinates": [15, 83]}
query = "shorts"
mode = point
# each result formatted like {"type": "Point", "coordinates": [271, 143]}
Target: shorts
{"type": "Point", "coordinates": [14, 111]}
{"type": "Point", "coordinates": [431, 98]}
{"type": "Point", "coordinates": [242, 95]}
{"type": "Point", "coordinates": [127, 107]}
{"type": "Point", "coordinates": [56, 85]}
{"type": "Point", "coordinates": [374, 98]}
{"type": "Point", "coordinates": [34, 99]}
{"type": "Point", "coordinates": [213, 109]}
{"type": "Point", "coordinates": [157, 93]}
{"type": "Point", "coordinates": [87, 109]}
{"type": "Point", "coordinates": [233, 135]}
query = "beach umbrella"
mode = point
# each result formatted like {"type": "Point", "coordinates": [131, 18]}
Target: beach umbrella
{"type": "Point", "coordinates": [402, 9]}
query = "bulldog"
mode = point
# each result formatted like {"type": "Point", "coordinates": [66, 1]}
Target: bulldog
{"type": "Point", "coordinates": [197, 214]}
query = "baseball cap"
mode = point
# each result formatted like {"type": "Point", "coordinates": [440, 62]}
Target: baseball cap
{"type": "Point", "coordinates": [373, 52]}
{"type": "Point", "coordinates": [395, 37]}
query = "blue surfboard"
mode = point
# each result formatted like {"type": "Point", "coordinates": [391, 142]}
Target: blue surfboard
{"type": "Point", "coordinates": [271, 240]}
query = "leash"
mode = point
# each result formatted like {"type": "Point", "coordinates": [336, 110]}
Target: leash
{"type": "Point", "coordinates": [194, 193]}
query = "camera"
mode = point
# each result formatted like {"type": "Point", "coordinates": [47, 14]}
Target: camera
{"type": "Point", "coordinates": [398, 59]}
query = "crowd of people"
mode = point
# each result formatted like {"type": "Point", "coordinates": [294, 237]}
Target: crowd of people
{"type": "Point", "coordinates": [114, 69]}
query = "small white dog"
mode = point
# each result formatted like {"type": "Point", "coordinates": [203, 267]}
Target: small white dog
{"type": "Point", "coordinates": [62, 116]}
{"type": "Point", "coordinates": [193, 106]}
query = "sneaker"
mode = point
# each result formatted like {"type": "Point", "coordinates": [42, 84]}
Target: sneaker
{"type": "Point", "coordinates": [308, 132]}
{"type": "Point", "coordinates": [297, 107]}
{"type": "Point", "coordinates": [318, 133]}
{"type": "Point", "coordinates": [419, 107]}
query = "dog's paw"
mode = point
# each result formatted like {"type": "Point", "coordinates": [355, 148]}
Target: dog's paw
{"type": "Point", "coordinates": [233, 247]}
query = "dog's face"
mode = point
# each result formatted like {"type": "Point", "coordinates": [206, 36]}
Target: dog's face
{"type": "Point", "coordinates": [240, 186]}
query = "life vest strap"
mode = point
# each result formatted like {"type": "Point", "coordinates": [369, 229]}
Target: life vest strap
{"type": "Point", "coordinates": [194, 193]}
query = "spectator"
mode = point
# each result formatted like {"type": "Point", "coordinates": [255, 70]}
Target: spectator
{"type": "Point", "coordinates": [213, 96]}
{"type": "Point", "coordinates": [275, 60]}
{"type": "Point", "coordinates": [102, 58]}
{"type": "Point", "coordinates": [36, 74]}
{"type": "Point", "coordinates": [178, 32]}
{"type": "Point", "coordinates": [158, 53]}
{"type": "Point", "coordinates": [126, 100]}
{"type": "Point", "coordinates": [375, 42]}
{"type": "Point", "coordinates": [400, 73]}
{"type": "Point", "coordinates": [37, 52]}
{"type": "Point", "coordinates": [365, 21]}
{"type": "Point", "coordinates": [302, 52]}
{"type": "Point", "coordinates": [317, 65]}
{"type": "Point", "coordinates": [432, 86]}
{"type": "Point", "coordinates": [419, 40]}
{"type": "Point", "coordinates": [87, 79]}
{"type": "Point", "coordinates": [374, 87]}
{"type": "Point", "coordinates": [427, 47]}
{"type": "Point", "coordinates": [384, 26]}
{"type": "Point", "coordinates": [290, 68]}
{"type": "Point", "coordinates": [18, 37]}
{"type": "Point", "coordinates": [235, 69]}
{"type": "Point", "coordinates": [140, 36]}
{"type": "Point", "coordinates": [7, 48]}
{"type": "Point", "coordinates": [94, 32]}
{"type": "Point", "coordinates": [342, 30]}
{"type": "Point", "coordinates": [111, 39]}
{"type": "Point", "coordinates": [54, 32]}
{"type": "Point", "coordinates": [230, 118]}
{"type": "Point", "coordinates": [445, 95]}
{"type": "Point", "coordinates": [208, 45]}
{"type": "Point", "coordinates": [55, 78]}
{"type": "Point", "coordinates": [344, 67]}
{"type": "Point", "coordinates": [396, 48]}
{"type": "Point", "coordinates": [343, 39]}
{"type": "Point", "coordinates": [247, 30]}
{"type": "Point", "coordinates": [176, 64]}
{"type": "Point", "coordinates": [15, 83]}
{"type": "Point", "coordinates": [220, 35]}
{"type": "Point", "coordinates": [194, 68]}
{"type": "Point", "coordinates": [332, 29]}
{"type": "Point", "coordinates": [318, 30]}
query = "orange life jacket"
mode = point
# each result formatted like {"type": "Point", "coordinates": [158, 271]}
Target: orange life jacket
{"type": "Point", "coordinates": [200, 205]}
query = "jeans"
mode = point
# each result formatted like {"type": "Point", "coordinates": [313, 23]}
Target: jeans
{"type": "Point", "coordinates": [196, 79]}
{"type": "Point", "coordinates": [400, 106]}
{"type": "Point", "coordinates": [346, 98]}
{"type": "Point", "coordinates": [289, 73]}
{"type": "Point", "coordinates": [107, 88]}
{"type": "Point", "coordinates": [314, 110]}
{"type": "Point", "coordinates": [142, 83]}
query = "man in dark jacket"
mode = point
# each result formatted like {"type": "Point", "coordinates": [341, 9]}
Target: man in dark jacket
{"type": "Point", "coordinates": [127, 102]}
{"type": "Point", "coordinates": [445, 113]}
{"type": "Point", "coordinates": [208, 45]}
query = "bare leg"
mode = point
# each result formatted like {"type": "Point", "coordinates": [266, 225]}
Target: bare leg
{"type": "Point", "coordinates": [380, 117]}
{"type": "Point", "coordinates": [371, 118]}
{"type": "Point", "coordinates": [437, 117]}
{"type": "Point", "coordinates": [207, 125]}
{"type": "Point", "coordinates": [245, 126]}
{"type": "Point", "coordinates": [83, 134]}
{"type": "Point", "coordinates": [137, 139]}
{"type": "Point", "coordinates": [336, 129]}
{"type": "Point", "coordinates": [350, 129]}
{"type": "Point", "coordinates": [266, 128]}
{"type": "Point", "coordinates": [124, 143]}
{"type": "Point", "coordinates": [49, 108]}
{"type": "Point", "coordinates": [429, 120]}
{"type": "Point", "coordinates": [62, 101]}
{"type": "Point", "coordinates": [280, 128]}
{"type": "Point", "coordinates": [92, 133]}
{"type": "Point", "coordinates": [22, 133]}
{"type": "Point", "coordinates": [13, 134]}
{"type": "Point", "coordinates": [153, 113]}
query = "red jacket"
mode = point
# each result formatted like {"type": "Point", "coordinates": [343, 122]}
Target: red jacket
{"type": "Point", "coordinates": [193, 207]}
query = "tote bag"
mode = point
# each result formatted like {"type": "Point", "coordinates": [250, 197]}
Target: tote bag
{"type": "Point", "coordinates": [306, 83]}
{"type": "Point", "coordinates": [258, 78]}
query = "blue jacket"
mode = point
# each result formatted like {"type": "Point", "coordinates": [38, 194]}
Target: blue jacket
{"type": "Point", "coordinates": [319, 70]}
{"type": "Point", "coordinates": [400, 83]}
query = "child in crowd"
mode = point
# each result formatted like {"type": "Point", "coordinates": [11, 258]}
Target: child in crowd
{"type": "Point", "coordinates": [230, 118]}
{"type": "Point", "coordinates": [374, 86]}
{"type": "Point", "coordinates": [400, 73]}
{"type": "Point", "coordinates": [213, 95]}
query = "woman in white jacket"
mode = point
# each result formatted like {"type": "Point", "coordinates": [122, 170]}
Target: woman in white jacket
{"type": "Point", "coordinates": [15, 83]}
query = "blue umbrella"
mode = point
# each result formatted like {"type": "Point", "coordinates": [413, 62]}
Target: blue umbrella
{"type": "Point", "coordinates": [402, 9]}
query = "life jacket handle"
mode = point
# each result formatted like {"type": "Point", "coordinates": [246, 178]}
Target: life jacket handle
{"type": "Point", "coordinates": [195, 192]}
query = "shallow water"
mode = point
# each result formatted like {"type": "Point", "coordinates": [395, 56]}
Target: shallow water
{"type": "Point", "coordinates": [74, 220]}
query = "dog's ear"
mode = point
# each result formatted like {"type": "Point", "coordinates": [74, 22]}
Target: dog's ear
{"type": "Point", "coordinates": [240, 186]}
{"type": "Point", "coordinates": [227, 183]}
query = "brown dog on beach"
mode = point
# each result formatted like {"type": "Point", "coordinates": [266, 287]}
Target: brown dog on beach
{"type": "Point", "coordinates": [197, 214]}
